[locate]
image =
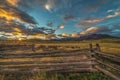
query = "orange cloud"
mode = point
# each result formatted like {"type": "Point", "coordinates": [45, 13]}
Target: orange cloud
{"type": "Point", "coordinates": [90, 30]}
{"type": "Point", "coordinates": [13, 2]}
{"type": "Point", "coordinates": [65, 35]}
{"type": "Point", "coordinates": [93, 30]}
{"type": "Point", "coordinates": [93, 21]}
{"type": "Point", "coordinates": [74, 35]}
{"type": "Point", "coordinates": [7, 15]}
{"type": "Point", "coordinates": [39, 34]}
{"type": "Point", "coordinates": [11, 13]}
{"type": "Point", "coordinates": [17, 29]}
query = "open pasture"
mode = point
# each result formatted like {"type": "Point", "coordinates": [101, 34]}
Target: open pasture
{"type": "Point", "coordinates": [59, 61]}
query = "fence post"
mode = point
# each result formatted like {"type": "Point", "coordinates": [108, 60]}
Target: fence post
{"type": "Point", "coordinates": [33, 47]}
{"type": "Point", "coordinates": [91, 47]}
{"type": "Point", "coordinates": [91, 55]}
{"type": "Point", "coordinates": [98, 47]}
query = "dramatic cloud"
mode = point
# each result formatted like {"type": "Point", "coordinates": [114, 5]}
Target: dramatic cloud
{"type": "Point", "coordinates": [75, 35]}
{"type": "Point", "coordinates": [14, 21]}
{"type": "Point", "coordinates": [27, 5]}
{"type": "Point", "coordinates": [89, 22]}
{"type": "Point", "coordinates": [12, 13]}
{"type": "Point", "coordinates": [13, 2]}
{"type": "Point", "coordinates": [48, 18]}
{"type": "Point", "coordinates": [113, 15]}
{"type": "Point", "coordinates": [17, 29]}
{"type": "Point", "coordinates": [93, 30]}
{"type": "Point", "coordinates": [92, 22]}
{"type": "Point", "coordinates": [65, 35]}
{"type": "Point", "coordinates": [90, 30]}
{"type": "Point", "coordinates": [13, 30]}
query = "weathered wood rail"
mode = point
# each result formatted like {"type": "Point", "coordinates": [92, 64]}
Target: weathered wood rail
{"type": "Point", "coordinates": [40, 55]}
{"type": "Point", "coordinates": [106, 62]}
{"type": "Point", "coordinates": [87, 60]}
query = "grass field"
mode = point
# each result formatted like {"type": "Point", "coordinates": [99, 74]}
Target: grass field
{"type": "Point", "coordinates": [109, 46]}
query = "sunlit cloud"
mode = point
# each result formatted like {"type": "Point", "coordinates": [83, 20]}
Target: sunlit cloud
{"type": "Point", "coordinates": [89, 30]}
{"type": "Point", "coordinates": [6, 15]}
{"type": "Point", "coordinates": [21, 36]}
{"type": "Point", "coordinates": [62, 26]}
{"type": "Point", "coordinates": [94, 30]}
{"type": "Point", "coordinates": [92, 22]}
{"type": "Point", "coordinates": [26, 19]}
{"type": "Point", "coordinates": [65, 35]}
{"type": "Point", "coordinates": [17, 29]}
{"type": "Point", "coordinates": [114, 15]}
{"type": "Point", "coordinates": [14, 13]}
{"type": "Point", "coordinates": [74, 35]}
{"type": "Point", "coordinates": [13, 2]}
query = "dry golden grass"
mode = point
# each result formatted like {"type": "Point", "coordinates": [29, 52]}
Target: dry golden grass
{"type": "Point", "coordinates": [110, 47]}
{"type": "Point", "coordinates": [107, 45]}
{"type": "Point", "coordinates": [113, 48]}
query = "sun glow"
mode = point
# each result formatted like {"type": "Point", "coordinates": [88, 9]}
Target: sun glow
{"type": "Point", "coordinates": [20, 39]}
{"type": "Point", "coordinates": [47, 7]}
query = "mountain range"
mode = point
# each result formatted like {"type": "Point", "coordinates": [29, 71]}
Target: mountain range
{"type": "Point", "coordinates": [88, 37]}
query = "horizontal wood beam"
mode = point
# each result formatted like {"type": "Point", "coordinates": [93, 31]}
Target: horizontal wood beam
{"type": "Point", "coordinates": [42, 55]}
{"type": "Point", "coordinates": [107, 73]}
{"type": "Point", "coordinates": [43, 61]}
{"type": "Point", "coordinates": [84, 64]}
{"type": "Point", "coordinates": [48, 70]}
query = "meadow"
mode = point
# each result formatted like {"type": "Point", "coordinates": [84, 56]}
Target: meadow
{"type": "Point", "coordinates": [111, 45]}
{"type": "Point", "coordinates": [108, 46]}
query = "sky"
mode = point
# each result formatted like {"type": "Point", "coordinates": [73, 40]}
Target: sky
{"type": "Point", "coordinates": [49, 19]}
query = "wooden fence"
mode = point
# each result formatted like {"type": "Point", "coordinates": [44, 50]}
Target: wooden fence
{"type": "Point", "coordinates": [91, 59]}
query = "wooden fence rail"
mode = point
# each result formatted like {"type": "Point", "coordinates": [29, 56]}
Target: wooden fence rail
{"type": "Point", "coordinates": [103, 58]}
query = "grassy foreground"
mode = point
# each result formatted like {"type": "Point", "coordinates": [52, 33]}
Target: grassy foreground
{"type": "Point", "coordinates": [107, 45]}
{"type": "Point", "coordinates": [44, 76]}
